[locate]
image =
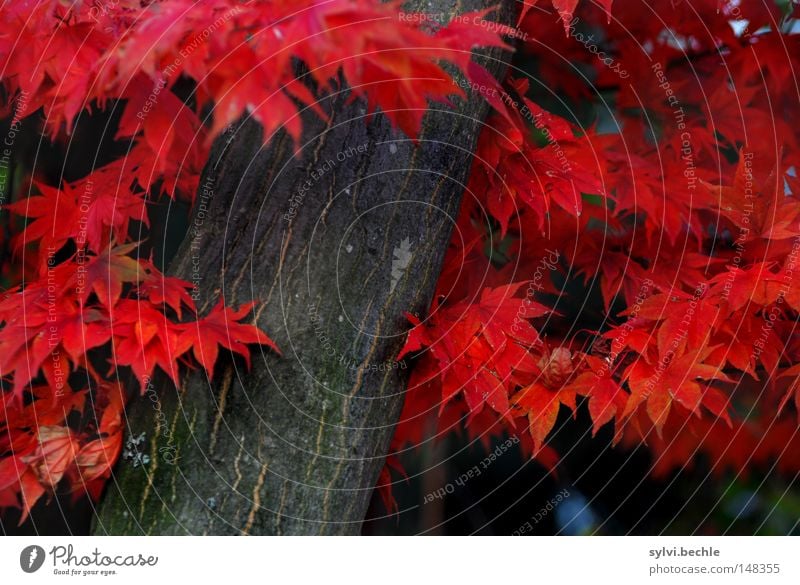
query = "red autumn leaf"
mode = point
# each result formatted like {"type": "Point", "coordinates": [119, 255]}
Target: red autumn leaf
{"type": "Point", "coordinates": [144, 338]}
{"type": "Point", "coordinates": [108, 272]}
{"type": "Point", "coordinates": [56, 451]}
{"type": "Point", "coordinates": [541, 407]}
{"type": "Point", "coordinates": [222, 328]}
{"type": "Point", "coordinates": [671, 380]}
{"type": "Point", "coordinates": [162, 290]}
{"type": "Point", "coordinates": [756, 202]}
{"type": "Point", "coordinates": [606, 398]}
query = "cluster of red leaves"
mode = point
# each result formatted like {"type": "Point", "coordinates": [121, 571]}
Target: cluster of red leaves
{"type": "Point", "coordinates": [57, 327]}
{"type": "Point", "coordinates": [676, 211]}
{"type": "Point", "coordinates": [83, 297]}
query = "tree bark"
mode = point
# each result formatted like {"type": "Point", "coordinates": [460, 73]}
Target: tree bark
{"type": "Point", "coordinates": [295, 444]}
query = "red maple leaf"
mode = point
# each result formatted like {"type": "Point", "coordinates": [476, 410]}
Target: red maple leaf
{"type": "Point", "coordinates": [222, 328]}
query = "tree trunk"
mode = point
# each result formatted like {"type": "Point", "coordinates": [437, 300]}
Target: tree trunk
{"type": "Point", "coordinates": [335, 244]}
